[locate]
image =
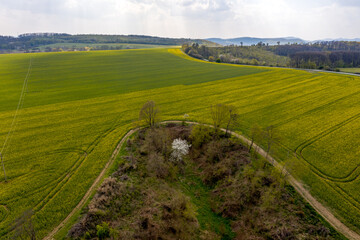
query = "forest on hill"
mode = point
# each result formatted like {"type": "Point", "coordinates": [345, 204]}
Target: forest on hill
{"type": "Point", "coordinates": [33, 42]}
{"type": "Point", "coordinates": [321, 55]}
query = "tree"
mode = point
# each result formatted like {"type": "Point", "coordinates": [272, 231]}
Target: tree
{"type": "Point", "coordinates": [219, 114]}
{"type": "Point", "coordinates": [255, 134]}
{"type": "Point", "coordinates": [232, 118]}
{"type": "Point", "coordinates": [271, 137]}
{"type": "Point", "coordinates": [24, 227]}
{"type": "Point", "coordinates": [149, 113]}
{"type": "Point", "coordinates": [223, 114]}
{"type": "Point", "coordinates": [180, 148]}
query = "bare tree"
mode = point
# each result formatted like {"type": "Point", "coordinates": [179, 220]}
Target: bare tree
{"type": "Point", "coordinates": [222, 114]}
{"type": "Point", "coordinates": [219, 115]}
{"type": "Point", "coordinates": [24, 227]}
{"type": "Point", "coordinates": [149, 113]}
{"type": "Point", "coordinates": [232, 118]}
{"type": "Point", "coordinates": [271, 137]}
{"type": "Point", "coordinates": [255, 134]}
{"type": "Point", "coordinates": [288, 165]}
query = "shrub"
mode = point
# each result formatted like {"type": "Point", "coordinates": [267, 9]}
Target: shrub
{"type": "Point", "coordinates": [200, 135]}
{"type": "Point", "coordinates": [157, 166]}
{"type": "Point", "coordinates": [87, 235]}
{"type": "Point", "coordinates": [215, 151]}
{"type": "Point", "coordinates": [156, 140]}
{"type": "Point", "coordinates": [103, 230]}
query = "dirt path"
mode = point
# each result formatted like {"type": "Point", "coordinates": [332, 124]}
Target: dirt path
{"type": "Point", "coordinates": [320, 208]}
{"type": "Point", "coordinates": [92, 188]}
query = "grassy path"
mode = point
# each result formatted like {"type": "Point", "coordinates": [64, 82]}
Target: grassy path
{"type": "Point", "coordinates": [319, 207]}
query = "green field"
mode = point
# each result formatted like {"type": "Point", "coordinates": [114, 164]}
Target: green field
{"type": "Point", "coordinates": [78, 105]}
{"type": "Point", "coordinates": [350, 70]}
{"type": "Point", "coordinates": [96, 45]}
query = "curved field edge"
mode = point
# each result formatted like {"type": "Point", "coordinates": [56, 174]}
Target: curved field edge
{"type": "Point", "coordinates": [73, 158]}
{"type": "Point", "coordinates": [324, 212]}
{"type": "Point", "coordinates": [330, 182]}
{"type": "Point", "coordinates": [95, 184]}
{"type": "Point", "coordinates": [335, 196]}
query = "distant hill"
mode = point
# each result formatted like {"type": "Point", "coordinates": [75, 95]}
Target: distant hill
{"type": "Point", "coordinates": [248, 41]}
{"type": "Point", "coordinates": [339, 39]}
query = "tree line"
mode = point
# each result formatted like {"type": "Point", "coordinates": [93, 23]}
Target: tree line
{"type": "Point", "coordinates": [225, 118]}
{"type": "Point", "coordinates": [321, 55]}
{"type": "Point", "coordinates": [26, 42]}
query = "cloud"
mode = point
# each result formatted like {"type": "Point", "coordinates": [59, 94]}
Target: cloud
{"type": "Point", "coordinates": [308, 19]}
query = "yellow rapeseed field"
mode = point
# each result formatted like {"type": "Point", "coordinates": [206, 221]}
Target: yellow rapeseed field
{"type": "Point", "coordinates": [77, 106]}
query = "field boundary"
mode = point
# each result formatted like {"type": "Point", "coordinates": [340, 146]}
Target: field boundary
{"type": "Point", "coordinates": [300, 69]}
{"type": "Point", "coordinates": [319, 207]}
{"type": "Point", "coordinates": [93, 186]}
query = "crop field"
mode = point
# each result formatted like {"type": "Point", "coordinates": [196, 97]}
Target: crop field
{"type": "Point", "coordinates": [76, 106]}
{"type": "Point", "coordinates": [109, 45]}
{"type": "Point", "coordinates": [350, 70]}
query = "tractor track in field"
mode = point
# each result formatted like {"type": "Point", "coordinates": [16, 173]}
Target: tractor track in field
{"type": "Point", "coordinates": [349, 177]}
{"type": "Point", "coordinates": [319, 207]}
{"type": "Point", "coordinates": [93, 186]}
{"type": "Point", "coordinates": [6, 212]}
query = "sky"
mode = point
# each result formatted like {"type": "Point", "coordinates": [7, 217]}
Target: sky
{"type": "Point", "coordinates": [307, 19]}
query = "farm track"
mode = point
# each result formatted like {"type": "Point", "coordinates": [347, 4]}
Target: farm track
{"type": "Point", "coordinates": [355, 203]}
{"type": "Point", "coordinates": [63, 179]}
{"type": "Point", "coordinates": [18, 108]}
{"type": "Point", "coordinates": [319, 207]}
{"type": "Point", "coordinates": [6, 210]}
{"type": "Point", "coordinates": [93, 186]}
{"type": "Point", "coordinates": [73, 169]}
{"type": "Point", "coordinates": [13, 125]}
{"type": "Point", "coordinates": [332, 184]}
{"type": "Point", "coordinates": [348, 177]}
{"type": "Point", "coordinates": [45, 186]}
{"type": "Point", "coordinates": [53, 188]}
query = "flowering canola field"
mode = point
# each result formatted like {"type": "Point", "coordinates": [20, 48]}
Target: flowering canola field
{"type": "Point", "coordinates": [76, 107]}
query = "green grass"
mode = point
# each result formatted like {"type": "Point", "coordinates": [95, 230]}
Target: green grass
{"type": "Point", "coordinates": [79, 104]}
{"type": "Point", "coordinates": [350, 70]}
{"type": "Point", "coordinates": [199, 195]}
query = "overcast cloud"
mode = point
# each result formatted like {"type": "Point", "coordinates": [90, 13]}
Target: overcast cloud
{"type": "Point", "coordinates": [308, 19]}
